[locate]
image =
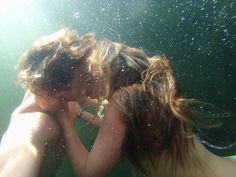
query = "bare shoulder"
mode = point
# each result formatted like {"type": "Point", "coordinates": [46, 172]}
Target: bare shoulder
{"type": "Point", "coordinates": [112, 113]}
{"type": "Point", "coordinates": [114, 122]}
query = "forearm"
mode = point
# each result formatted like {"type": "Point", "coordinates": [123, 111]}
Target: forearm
{"type": "Point", "coordinates": [92, 119]}
{"type": "Point", "coordinates": [77, 152]}
{"type": "Point", "coordinates": [106, 150]}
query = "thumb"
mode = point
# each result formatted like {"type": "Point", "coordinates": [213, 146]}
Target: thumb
{"type": "Point", "coordinates": [74, 109]}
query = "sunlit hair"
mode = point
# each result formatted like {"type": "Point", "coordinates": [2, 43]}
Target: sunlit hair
{"type": "Point", "coordinates": [159, 119]}
{"type": "Point", "coordinates": [113, 62]}
{"type": "Point", "coordinates": [50, 63]}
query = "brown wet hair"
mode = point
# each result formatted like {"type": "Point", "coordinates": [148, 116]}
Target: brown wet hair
{"type": "Point", "coordinates": [158, 116]}
{"type": "Point", "coordinates": [50, 63]}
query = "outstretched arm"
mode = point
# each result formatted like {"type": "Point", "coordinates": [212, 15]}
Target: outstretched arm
{"type": "Point", "coordinates": [22, 160]}
{"type": "Point", "coordinates": [23, 145]}
{"type": "Point", "coordinates": [107, 149]}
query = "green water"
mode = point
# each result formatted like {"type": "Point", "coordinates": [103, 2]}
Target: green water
{"type": "Point", "coordinates": [198, 37]}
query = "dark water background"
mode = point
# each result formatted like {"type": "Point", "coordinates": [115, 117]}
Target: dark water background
{"type": "Point", "coordinates": [199, 37]}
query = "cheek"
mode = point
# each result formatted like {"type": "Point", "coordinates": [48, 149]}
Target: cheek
{"type": "Point", "coordinates": [78, 91]}
{"type": "Point", "coordinates": [80, 86]}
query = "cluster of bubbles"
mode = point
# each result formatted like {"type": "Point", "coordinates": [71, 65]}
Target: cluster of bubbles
{"type": "Point", "coordinates": [198, 34]}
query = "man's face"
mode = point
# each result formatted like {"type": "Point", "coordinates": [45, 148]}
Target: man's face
{"type": "Point", "coordinates": [73, 94]}
{"type": "Point", "coordinates": [76, 92]}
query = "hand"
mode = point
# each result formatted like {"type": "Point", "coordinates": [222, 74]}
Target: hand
{"type": "Point", "coordinates": [78, 109]}
{"type": "Point", "coordinates": [74, 109]}
{"type": "Point", "coordinates": [91, 102]}
{"type": "Point", "coordinates": [52, 106]}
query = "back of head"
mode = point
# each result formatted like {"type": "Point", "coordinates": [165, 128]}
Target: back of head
{"type": "Point", "coordinates": [50, 63]}
{"type": "Point", "coordinates": [118, 64]}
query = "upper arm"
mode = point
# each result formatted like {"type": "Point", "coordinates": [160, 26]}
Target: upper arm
{"type": "Point", "coordinates": [108, 146]}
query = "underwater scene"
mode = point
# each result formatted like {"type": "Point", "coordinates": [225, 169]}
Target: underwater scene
{"type": "Point", "coordinates": [198, 37]}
